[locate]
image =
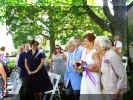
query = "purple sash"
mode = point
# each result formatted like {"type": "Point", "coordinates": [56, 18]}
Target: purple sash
{"type": "Point", "coordinates": [91, 77]}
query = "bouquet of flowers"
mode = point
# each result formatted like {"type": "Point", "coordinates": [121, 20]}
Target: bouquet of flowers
{"type": "Point", "coordinates": [78, 66]}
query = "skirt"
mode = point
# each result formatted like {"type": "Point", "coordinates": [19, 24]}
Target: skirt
{"type": "Point", "coordinates": [40, 82]}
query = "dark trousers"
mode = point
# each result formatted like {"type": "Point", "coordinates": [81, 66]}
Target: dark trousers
{"type": "Point", "coordinates": [72, 94]}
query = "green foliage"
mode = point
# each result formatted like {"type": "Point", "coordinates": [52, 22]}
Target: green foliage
{"type": "Point", "coordinates": [62, 23]}
{"type": "Point", "coordinates": [12, 63]}
{"type": "Point", "coordinates": [66, 18]}
{"type": "Point", "coordinates": [132, 60]}
{"type": "Point", "coordinates": [128, 1]}
{"type": "Point", "coordinates": [130, 33]}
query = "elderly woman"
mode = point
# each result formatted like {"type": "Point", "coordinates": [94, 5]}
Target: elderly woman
{"type": "Point", "coordinates": [113, 75]}
{"type": "Point", "coordinates": [72, 79]}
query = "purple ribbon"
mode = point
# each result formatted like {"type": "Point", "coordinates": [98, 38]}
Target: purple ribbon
{"type": "Point", "coordinates": [90, 76]}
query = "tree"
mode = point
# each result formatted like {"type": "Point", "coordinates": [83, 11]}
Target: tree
{"type": "Point", "coordinates": [61, 23]}
{"type": "Point", "coordinates": [117, 23]}
{"type": "Point", "coordinates": [64, 20]}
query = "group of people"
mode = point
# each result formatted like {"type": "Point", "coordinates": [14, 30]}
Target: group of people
{"type": "Point", "coordinates": [102, 72]}
{"type": "Point", "coordinates": [30, 64]}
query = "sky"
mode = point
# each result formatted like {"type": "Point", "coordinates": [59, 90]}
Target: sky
{"type": "Point", "coordinates": [6, 40]}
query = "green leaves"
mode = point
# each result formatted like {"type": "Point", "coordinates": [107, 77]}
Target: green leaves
{"type": "Point", "coordinates": [62, 23]}
{"type": "Point", "coordinates": [58, 19]}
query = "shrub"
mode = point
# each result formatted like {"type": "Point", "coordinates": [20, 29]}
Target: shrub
{"type": "Point", "coordinates": [12, 63]}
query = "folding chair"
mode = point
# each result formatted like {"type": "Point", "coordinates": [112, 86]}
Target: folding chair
{"type": "Point", "coordinates": [55, 79]}
{"type": "Point", "coordinates": [125, 62]}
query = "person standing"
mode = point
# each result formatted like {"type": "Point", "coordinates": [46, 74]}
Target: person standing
{"type": "Point", "coordinates": [114, 48]}
{"type": "Point", "coordinates": [72, 79]}
{"type": "Point", "coordinates": [79, 48]}
{"type": "Point", "coordinates": [20, 51]}
{"type": "Point", "coordinates": [3, 55]}
{"type": "Point", "coordinates": [23, 73]}
{"type": "Point", "coordinates": [3, 52]}
{"type": "Point", "coordinates": [3, 79]}
{"type": "Point", "coordinates": [3, 75]}
{"type": "Point", "coordinates": [57, 65]}
{"type": "Point", "coordinates": [57, 62]}
{"type": "Point", "coordinates": [113, 74]}
{"type": "Point", "coordinates": [118, 43]}
{"type": "Point", "coordinates": [39, 81]}
{"type": "Point", "coordinates": [90, 84]}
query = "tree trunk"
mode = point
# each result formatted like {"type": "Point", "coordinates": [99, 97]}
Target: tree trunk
{"type": "Point", "coordinates": [118, 24]}
{"type": "Point", "coordinates": [120, 28]}
{"type": "Point", "coordinates": [52, 43]}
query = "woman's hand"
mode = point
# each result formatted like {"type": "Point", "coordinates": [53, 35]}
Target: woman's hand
{"type": "Point", "coordinates": [116, 95]}
{"type": "Point", "coordinates": [64, 56]}
{"type": "Point", "coordinates": [117, 91]}
{"type": "Point", "coordinates": [29, 72]}
{"type": "Point", "coordinates": [76, 70]}
{"type": "Point", "coordinates": [34, 72]}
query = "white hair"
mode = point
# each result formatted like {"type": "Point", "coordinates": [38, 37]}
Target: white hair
{"type": "Point", "coordinates": [72, 42]}
{"type": "Point", "coordinates": [103, 42]}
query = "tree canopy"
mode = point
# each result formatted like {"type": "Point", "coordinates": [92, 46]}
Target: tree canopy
{"type": "Point", "coordinates": [59, 20]}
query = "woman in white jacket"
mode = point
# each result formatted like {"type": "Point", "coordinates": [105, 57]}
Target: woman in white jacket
{"type": "Point", "coordinates": [113, 74]}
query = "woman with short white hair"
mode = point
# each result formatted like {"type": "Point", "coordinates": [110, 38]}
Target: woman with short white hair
{"type": "Point", "coordinates": [113, 74]}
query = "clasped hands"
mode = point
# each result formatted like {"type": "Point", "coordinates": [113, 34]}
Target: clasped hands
{"type": "Point", "coordinates": [32, 72]}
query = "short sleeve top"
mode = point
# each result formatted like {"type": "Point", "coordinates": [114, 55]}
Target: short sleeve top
{"type": "Point", "coordinates": [34, 60]}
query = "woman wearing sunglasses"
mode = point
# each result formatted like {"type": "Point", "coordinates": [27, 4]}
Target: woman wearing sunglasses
{"type": "Point", "coordinates": [57, 62]}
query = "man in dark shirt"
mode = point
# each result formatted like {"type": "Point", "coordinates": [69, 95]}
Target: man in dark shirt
{"type": "Point", "coordinates": [23, 73]}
